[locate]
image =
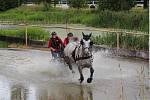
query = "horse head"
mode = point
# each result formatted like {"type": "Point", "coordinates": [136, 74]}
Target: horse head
{"type": "Point", "coordinates": [86, 43]}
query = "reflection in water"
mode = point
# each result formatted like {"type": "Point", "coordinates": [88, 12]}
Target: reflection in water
{"type": "Point", "coordinates": [31, 93]}
{"type": "Point", "coordinates": [71, 92]}
{"type": "Point", "coordinates": [80, 92]}
{"type": "Point", "coordinates": [4, 89]}
{"type": "Point", "coordinates": [85, 93]}
{"type": "Point", "coordinates": [18, 93]}
{"type": "Point", "coordinates": [61, 92]}
{"type": "Point", "coordinates": [21, 93]}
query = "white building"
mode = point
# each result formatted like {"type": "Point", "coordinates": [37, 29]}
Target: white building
{"type": "Point", "coordinates": [139, 3]}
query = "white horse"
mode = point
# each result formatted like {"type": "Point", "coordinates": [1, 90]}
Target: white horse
{"type": "Point", "coordinates": [81, 54]}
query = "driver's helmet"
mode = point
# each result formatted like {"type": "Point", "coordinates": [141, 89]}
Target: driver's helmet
{"type": "Point", "coordinates": [69, 34]}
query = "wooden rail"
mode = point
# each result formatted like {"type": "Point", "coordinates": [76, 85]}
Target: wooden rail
{"type": "Point", "coordinates": [73, 28]}
{"type": "Point", "coordinates": [115, 31]}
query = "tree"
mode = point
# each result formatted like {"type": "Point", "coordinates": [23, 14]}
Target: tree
{"type": "Point", "coordinates": [55, 2]}
{"type": "Point", "coordinates": [7, 4]}
{"type": "Point", "coordinates": [146, 4]}
{"type": "Point", "coordinates": [77, 3]}
{"type": "Point", "coordinates": [47, 4]}
{"type": "Point", "coordinates": [2, 5]}
{"type": "Point", "coordinates": [116, 5]}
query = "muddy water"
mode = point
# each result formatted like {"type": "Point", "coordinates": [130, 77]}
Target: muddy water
{"type": "Point", "coordinates": [32, 75]}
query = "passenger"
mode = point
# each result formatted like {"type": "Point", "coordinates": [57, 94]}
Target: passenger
{"type": "Point", "coordinates": [74, 39]}
{"type": "Point", "coordinates": [55, 44]}
{"type": "Point", "coordinates": [66, 40]}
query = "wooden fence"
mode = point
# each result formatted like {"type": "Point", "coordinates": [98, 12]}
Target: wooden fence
{"type": "Point", "coordinates": [115, 31]}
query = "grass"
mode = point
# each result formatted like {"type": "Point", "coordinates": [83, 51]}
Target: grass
{"type": "Point", "coordinates": [124, 20]}
{"type": "Point", "coordinates": [3, 44]}
{"type": "Point", "coordinates": [134, 19]}
{"type": "Point", "coordinates": [34, 33]}
{"type": "Point", "coordinates": [127, 41]}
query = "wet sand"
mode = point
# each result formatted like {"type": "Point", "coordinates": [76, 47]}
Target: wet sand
{"type": "Point", "coordinates": [32, 75]}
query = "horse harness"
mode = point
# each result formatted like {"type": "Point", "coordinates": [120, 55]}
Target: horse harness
{"type": "Point", "coordinates": [79, 58]}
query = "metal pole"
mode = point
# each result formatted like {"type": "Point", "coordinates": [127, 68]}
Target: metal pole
{"type": "Point", "coordinates": [66, 24]}
{"type": "Point", "coordinates": [118, 42]}
{"type": "Point", "coordinates": [26, 36]}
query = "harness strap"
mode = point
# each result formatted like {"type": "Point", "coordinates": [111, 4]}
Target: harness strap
{"type": "Point", "coordinates": [82, 58]}
{"type": "Point", "coordinates": [79, 58]}
{"type": "Point", "coordinates": [73, 54]}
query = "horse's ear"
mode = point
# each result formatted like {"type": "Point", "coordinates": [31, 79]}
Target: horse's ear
{"type": "Point", "coordinates": [90, 35]}
{"type": "Point", "coordinates": [83, 34]}
{"type": "Point", "coordinates": [81, 42]}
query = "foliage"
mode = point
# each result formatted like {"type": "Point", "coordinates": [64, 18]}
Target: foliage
{"type": "Point", "coordinates": [127, 41]}
{"type": "Point", "coordinates": [3, 44]}
{"type": "Point", "coordinates": [146, 2]}
{"type": "Point", "coordinates": [7, 4]}
{"type": "Point", "coordinates": [134, 19]}
{"type": "Point", "coordinates": [116, 5]}
{"type": "Point", "coordinates": [34, 33]}
{"type": "Point", "coordinates": [77, 3]}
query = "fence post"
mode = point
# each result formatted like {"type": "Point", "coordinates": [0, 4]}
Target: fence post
{"type": "Point", "coordinates": [66, 21]}
{"type": "Point", "coordinates": [26, 32]}
{"type": "Point", "coordinates": [118, 42]}
{"type": "Point", "coordinates": [66, 27]}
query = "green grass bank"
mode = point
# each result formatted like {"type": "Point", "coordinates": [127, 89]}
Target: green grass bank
{"type": "Point", "coordinates": [134, 19]}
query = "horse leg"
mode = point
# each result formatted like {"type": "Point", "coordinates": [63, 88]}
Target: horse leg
{"type": "Point", "coordinates": [70, 67]}
{"type": "Point", "coordinates": [89, 80]}
{"type": "Point", "coordinates": [81, 75]}
{"type": "Point", "coordinates": [67, 60]}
